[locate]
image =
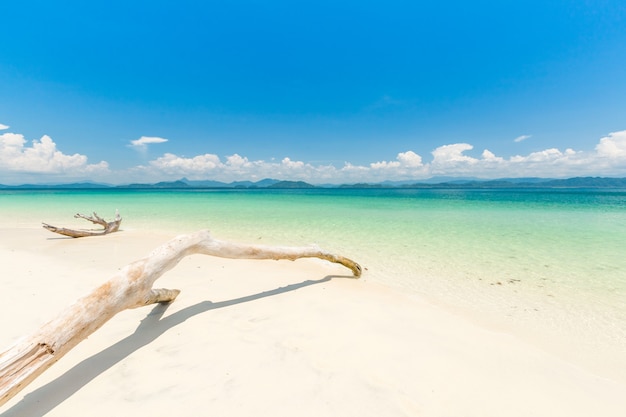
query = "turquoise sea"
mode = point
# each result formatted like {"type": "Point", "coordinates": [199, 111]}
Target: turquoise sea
{"type": "Point", "coordinates": [550, 261]}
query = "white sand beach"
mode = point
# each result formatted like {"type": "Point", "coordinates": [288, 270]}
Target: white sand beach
{"type": "Point", "coordinates": [273, 338]}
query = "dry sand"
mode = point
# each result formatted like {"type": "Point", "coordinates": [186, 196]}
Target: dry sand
{"type": "Point", "coordinates": [273, 338]}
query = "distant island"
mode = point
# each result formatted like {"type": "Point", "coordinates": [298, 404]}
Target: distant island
{"type": "Point", "coordinates": [268, 183]}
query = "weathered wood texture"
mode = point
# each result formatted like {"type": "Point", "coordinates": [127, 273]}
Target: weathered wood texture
{"type": "Point", "coordinates": [109, 227]}
{"type": "Point", "coordinates": [131, 287]}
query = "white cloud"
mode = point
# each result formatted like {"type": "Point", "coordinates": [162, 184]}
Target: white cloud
{"type": "Point", "coordinates": [407, 159]}
{"type": "Point", "coordinates": [451, 158]}
{"type": "Point", "coordinates": [237, 161]}
{"type": "Point", "coordinates": [385, 165]}
{"type": "Point", "coordinates": [490, 156]}
{"type": "Point", "coordinates": [613, 145]}
{"type": "Point", "coordinates": [42, 157]}
{"type": "Point", "coordinates": [410, 159]}
{"type": "Point", "coordinates": [522, 138]}
{"type": "Point", "coordinates": [452, 154]}
{"type": "Point", "coordinates": [407, 165]}
{"type": "Point", "coordinates": [3, 127]}
{"type": "Point", "coordinates": [144, 141]}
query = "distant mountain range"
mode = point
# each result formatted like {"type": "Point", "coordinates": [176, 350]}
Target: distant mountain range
{"type": "Point", "coordinates": [268, 183]}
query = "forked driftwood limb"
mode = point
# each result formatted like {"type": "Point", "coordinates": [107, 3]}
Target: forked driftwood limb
{"type": "Point", "coordinates": [109, 227]}
{"type": "Point", "coordinates": [131, 287]}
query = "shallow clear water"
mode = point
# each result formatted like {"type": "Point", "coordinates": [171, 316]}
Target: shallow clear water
{"type": "Point", "coordinates": [552, 258]}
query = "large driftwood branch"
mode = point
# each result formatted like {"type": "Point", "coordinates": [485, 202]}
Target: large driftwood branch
{"type": "Point", "coordinates": [131, 287]}
{"type": "Point", "coordinates": [109, 227]}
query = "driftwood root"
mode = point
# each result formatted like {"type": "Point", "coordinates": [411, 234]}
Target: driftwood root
{"type": "Point", "coordinates": [109, 227]}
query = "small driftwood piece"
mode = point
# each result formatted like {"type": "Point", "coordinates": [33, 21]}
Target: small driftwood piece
{"type": "Point", "coordinates": [109, 227]}
{"type": "Point", "coordinates": [131, 287]}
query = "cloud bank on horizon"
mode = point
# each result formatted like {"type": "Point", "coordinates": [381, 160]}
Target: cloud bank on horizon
{"type": "Point", "coordinates": [41, 161]}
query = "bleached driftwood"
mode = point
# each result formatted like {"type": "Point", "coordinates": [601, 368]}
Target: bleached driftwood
{"type": "Point", "coordinates": [109, 227]}
{"type": "Point", "coordinates": [131, 287]}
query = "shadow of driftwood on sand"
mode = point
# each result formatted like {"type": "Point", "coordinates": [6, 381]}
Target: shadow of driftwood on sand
{"type": "Point", "coordinates": [46, 398]}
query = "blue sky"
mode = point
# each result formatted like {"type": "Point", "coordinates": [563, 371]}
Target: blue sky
{"type": "Point", "coordinates": [321, 91]}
